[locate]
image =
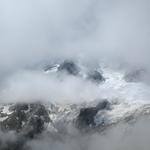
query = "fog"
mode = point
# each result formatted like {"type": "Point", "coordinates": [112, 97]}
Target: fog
{"type": "Point", "coordinates": [36, 31]}
{"type": "Point", "coordinates": [31, 86]}
{"type": "Point", "coordinates": [123, 136]}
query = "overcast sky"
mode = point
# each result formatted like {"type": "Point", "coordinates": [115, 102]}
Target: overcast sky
{"type": "Point", "coordinates": [36, 30]}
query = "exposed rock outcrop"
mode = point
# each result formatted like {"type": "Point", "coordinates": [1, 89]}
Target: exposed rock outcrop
{"type": "Point", "coordinates": [86, 117]}
{"type": "Point", "coordinates": [95, 76]}
{"type": "Point", "coordinates": [69, 67]}
{"type": "Point", "coordinates": [26, 119]}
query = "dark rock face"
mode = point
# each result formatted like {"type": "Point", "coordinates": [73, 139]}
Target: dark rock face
{"type": "Point", "coordinates": [26, 119]}
{"type": "Point", "coordinates": [35, 126]}
{"type": "Point", "coordinates": [87, 115]}
{"type": "Point", "coordinates": [40, 111]}
{"type": "Point", "coordinates": [14, 121]}
{"type": "Point", "coordinates": [95, 76]}
{"type": "Point", "coordinates": [103, 104]}
{"type": "Point", "coordinates": [70, 67]}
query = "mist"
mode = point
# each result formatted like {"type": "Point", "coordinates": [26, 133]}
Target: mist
{"type": "Point", "coordinates": [36, 31]}
{"type": "Point", "coordinates": [132, 136]}
{"type": "Point", "coordinates": [31, 86]}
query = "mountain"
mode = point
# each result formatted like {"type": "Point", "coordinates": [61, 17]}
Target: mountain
{"type": "Point", "coordinates": [26, 122]}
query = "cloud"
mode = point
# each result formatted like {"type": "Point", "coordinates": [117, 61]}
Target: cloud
{"type": "Point", "coordinates": [39, 32]}
{"type": "Point", "coordinates": [35, 31]}
{"type": "Point", "coordinates": [27, 86]}
{"type": "Point", "coordinates": [122, 136]}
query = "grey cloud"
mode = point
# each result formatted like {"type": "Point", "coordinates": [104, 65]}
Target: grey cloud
{"type": "Point", "coordinates": [33, 31]}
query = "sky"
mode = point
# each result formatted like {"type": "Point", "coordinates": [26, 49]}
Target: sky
{"type": "Point", "coordinates": [33, 31]}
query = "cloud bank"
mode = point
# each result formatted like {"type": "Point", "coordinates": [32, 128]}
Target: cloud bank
{"type": "Point", "coordinates": [38, 32]}
{"type": "Point", "coordinates": [33, 31]}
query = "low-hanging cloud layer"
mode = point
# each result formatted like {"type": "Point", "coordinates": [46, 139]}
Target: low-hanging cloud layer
{"type": "Point", "coordinates": [123, 136]}
{"type": "Point", "coordinates": [33, 31]}
{"type": "Point", "coordinates": [27, 86]}
{"type": "Point", "coordinates": [37, 32]}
